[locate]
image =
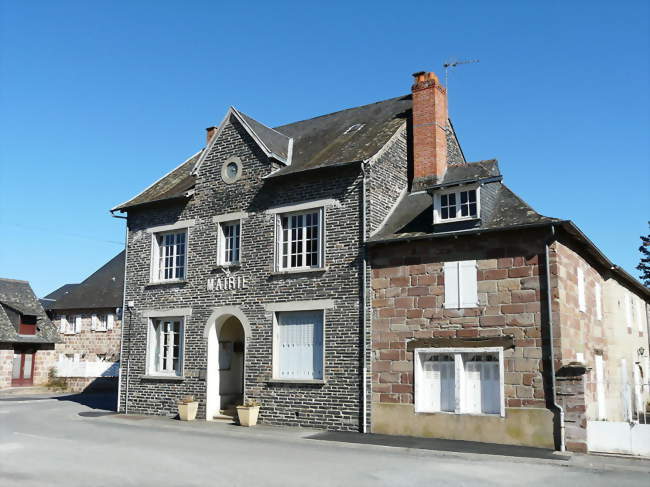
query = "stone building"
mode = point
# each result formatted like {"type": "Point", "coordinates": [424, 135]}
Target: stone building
{"type": "Point", "coordinates": [245, 267]}
{"type": "Point", "coordinates": [88, 320]}
{"type": "Point", "coordinates": [27, 336]}
{"type": "Point", "coordinates": [492, 322]}
{"type": "Point", "coordinates": [354, 272]}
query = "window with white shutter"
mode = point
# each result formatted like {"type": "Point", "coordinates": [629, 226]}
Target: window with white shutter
{"type": "Point", "coordinates": [63, 324]}
{"type": "Point", "coordinates": [165, 347]}
{"type": "Point", "coordinates": [461, 286]}
{"type": "Point", "coordinates": [628, 311]}
{"type": "Point", "coordinates": [462, 381]}
{"type": "Point", "coordinates": [599, 301]}
{"type": "Point", "coordinates": [581, 290]}
{"type": "Point", "coordinates": [299, 345]}
{"type": "Point", "coordinates": [110, 321]}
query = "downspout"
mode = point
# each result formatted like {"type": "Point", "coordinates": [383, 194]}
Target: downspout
{"type": "Point", "coordinates": [557, 406]}
{"type": "Point", "coordinates": [364, 293]}
{"type": "Point", "coordinates": [126, 259]}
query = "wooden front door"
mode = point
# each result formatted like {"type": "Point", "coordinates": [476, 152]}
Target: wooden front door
{"type": "Point", "coordinates": [23, 368]}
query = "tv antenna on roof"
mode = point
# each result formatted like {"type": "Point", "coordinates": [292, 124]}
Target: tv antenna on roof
{"type": "Point", "coordinates": [453, 63]}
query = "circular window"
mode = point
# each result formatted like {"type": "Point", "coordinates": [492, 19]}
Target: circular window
{"type": "Point", "coordinates": [231, 170]}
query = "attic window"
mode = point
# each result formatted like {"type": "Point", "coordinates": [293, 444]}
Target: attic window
{"type": "Point", "coordinates": [354, 128]}
{"type": "Point", "coordinates": [456, 205]}
{"type": "Point", "coordinates": [27, 325]}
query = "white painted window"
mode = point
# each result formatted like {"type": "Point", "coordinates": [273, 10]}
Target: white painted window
{"type": "Point", "coordinates": [462, 381]}
{"type": "Point", "coordinates": [165, 346]}
{"type": "Point", "coordinates": [229, 244]}
{"type": "Point", "coordinates": [639, 315]}
{"type": "Point", "coordinates": [600, 387]}
{"type": "Point", "coordinates": [461, 286]}
{"type": "Point", "coordinates": [582, 304]}
{"type": "Point", "coordinates": [598, 294]}
{"type": "Point", "coordinates": [628, 311]}
{"type": "Point", "coordinates": [456, 205]}
{"type": "Point", "coordinates": [169, 256]}
{"type": "Point", "coordinates": [70, 324]}
{"type": "Point", "coordinates": [300, 240]}
{"type": "Point", "coordinates": [298, 351]}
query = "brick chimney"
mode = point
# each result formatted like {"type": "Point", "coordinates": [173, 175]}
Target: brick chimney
{"type": "Point", "coordinates": [210, 131]}
{"type": "Point", "coordinates": [430, 122]}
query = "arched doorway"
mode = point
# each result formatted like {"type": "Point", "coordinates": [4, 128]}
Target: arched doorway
{"type": "Point", "coordinates": [226, 331]}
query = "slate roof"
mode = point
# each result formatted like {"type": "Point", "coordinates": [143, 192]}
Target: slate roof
{"type": "Point", "coordinates": [342, 137]}
{"type": "Point", "coordinates": [48, 301]}
{"type": "Point", "coordinates": [501, 208]}
{"type": "Point", "coordinates": [19, 296]}
{"type": "Point", "coordinates": [102, 289]}
{"type": "Point", "coordinates": [173, 185]}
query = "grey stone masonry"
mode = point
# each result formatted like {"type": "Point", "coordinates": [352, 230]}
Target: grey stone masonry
{"type": "Point", "coordinates": [335, 403]}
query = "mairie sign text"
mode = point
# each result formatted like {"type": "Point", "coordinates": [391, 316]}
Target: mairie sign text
{"type": "Point", "coordinates": [227, 283]}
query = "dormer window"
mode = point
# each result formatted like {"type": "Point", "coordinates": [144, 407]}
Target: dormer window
{"type": "Point", "coordinates": [456, 205]}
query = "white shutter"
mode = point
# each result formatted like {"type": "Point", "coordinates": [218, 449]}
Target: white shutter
{"type": "Point", "coordinates": [600, 387]}
{"type": "Point", "coordinates": [628, 311]}
{"type": "Point", "coordinates": [63, 324]}
{"type": "Point", "coordinates": [110, 321]}
{"type": "Point", "coordinates": [639, 315]}
{"type": "Point", "coordinates": [451, 285]}
{"type": "Point", "coordinates": [300, 345]}
{"type": "Point", "coordinates": [468, 286]}
{"type": "Point", "coordinates": [77, 357]}
{"type": "Point", "coordinates": [472, 386]}
{"type": "Point", "coordinates": [581, 290]}
{"type": "Point", "coordinates": [599, 302]}
{"type": "Point", "coordinates": [428, 393]}
{"type": "Point", "coordinates": [77, 324]}
{"type": "Point", "coordinates": [94, 322]}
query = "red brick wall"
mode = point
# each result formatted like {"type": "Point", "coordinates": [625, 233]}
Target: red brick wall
{"type": "Point", "coordinates": [408, 294]}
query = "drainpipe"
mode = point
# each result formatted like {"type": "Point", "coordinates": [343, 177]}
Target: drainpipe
{"type": "Point", "coordinates": [364, 293]}
{"type": "Point", "coordinates": [557, 406]}
{"type": "Point", "coordinates": [126, 259]}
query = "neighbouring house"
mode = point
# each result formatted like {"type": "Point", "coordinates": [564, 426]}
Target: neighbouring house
{"type": "Point", "coordinates": [27, 336]}
{"type": "Point", "coordinates": [88, 319]}
{"type": "Point", "coordinates": [494, 323]}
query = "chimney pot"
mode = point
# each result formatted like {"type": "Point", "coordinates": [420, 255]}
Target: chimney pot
{"type": "Point", "coordinates": [210, 131]}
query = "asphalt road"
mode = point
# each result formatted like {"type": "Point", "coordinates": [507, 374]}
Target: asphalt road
{"type": "Point", "coordinates": [77, 442]}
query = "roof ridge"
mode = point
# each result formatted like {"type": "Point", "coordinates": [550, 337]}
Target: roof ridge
{"type": "Point", "coordinates": [340, 111]}
{"type": "Point", "coordinates": [13, 280]}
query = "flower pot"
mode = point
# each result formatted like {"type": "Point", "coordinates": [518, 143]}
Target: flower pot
{"type": "Point", "coordinates": [248, 415]}
{"type": "Point", "coordinates": [187, 412]}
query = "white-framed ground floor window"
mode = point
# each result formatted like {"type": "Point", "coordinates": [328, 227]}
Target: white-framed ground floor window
{"type": "Point", "coordinates": [298, 345]}
{"type": "Point", "coordinates": [459, 380]}
{"type": "Point", "coordinates": [165, 347]}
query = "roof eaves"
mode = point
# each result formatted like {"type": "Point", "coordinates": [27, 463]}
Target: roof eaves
{"type": "Point", "coordinates": [122, 206]}
{"type": "Point", "coordinates": [280, 172]}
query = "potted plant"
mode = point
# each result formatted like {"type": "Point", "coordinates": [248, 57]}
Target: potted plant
{"type": "Point", "coordinates": [248, 412]}
{"type": "Point", "coordinates": [187, 408]}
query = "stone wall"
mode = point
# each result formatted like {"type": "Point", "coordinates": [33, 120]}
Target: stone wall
{"type": "Point", "coordinates": [571, 396]}
{"type": "Point", "coordinates": [6, 364]}
{"type": "Point", "coordinates": [408, 295]}
{"type": "Point", "coordinates": [90, 343]}
{"type": "Point", "coordinates": [45, 358]}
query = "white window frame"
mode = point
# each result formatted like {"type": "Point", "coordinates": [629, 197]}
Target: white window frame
{"type": "Point", "coordinates": [279, 238]}
{"type": "Point", "coordinates": [152, 358]}
{"type": "Point", "coordinates": [70, 324]}
{"type": "Point", "coordinates": [458, 303]}
{"type": "Point", "coordinates": [459, 378]}
{"type": "Point", "coordinates": [156, 247]}
{"type": "Point", "coordinates": [99, 322]}
{"type": "Point", "coordinates": [582, 302]}
{"type": "Point", "coordinates": [221, 243]}
{"type": "Point", "coordinates": [276, 344]}
{"type": "Point", "coordinates": [437, 204]}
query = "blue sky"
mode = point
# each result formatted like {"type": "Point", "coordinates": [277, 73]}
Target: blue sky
{"type": "Point", "coordinates": [99, 99]}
